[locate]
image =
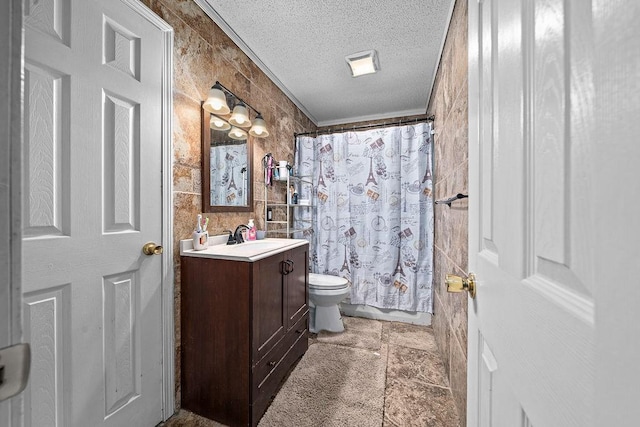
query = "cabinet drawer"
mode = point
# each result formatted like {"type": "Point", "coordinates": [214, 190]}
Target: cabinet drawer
{"type": "Point", "coordinates": [272, 360]}
{"type": "Point", "coordinates": [269, 373]}
{"type": "Point", "coordinates": [301, 327]}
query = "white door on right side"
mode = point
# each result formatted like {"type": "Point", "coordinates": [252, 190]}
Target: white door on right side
{"type": "Point", "coordinates": [532, 127]}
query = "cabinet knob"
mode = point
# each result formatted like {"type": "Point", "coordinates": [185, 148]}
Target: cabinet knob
{"type": "Point", "coordinates": [272, 363]}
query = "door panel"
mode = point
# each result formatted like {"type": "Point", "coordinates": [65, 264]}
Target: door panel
{"type": "Point", "coordinates": [47, 328]}
{"type": "Point", "coordinates": [268, 305]}
{"type": "Point", "coordinates": [297, 287]}
{"type": "Point", "coordinates": [531, 326]}
{"type": "Point", "coordinates": [46, 161]}
{"type": "Point", "coordinates": [121, 308]}
{"type": "Point", "coordinates": [92, 299]}
{"type": "Point", "coordinates": [121, 119]}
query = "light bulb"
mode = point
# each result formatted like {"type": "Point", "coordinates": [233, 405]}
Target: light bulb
{"type": "Point", "coordinates": [259, 128]}
{"type": "Point", "coordinates": [217, 123]}
{"type": "Point", "coordinates": [216, 101]}
{"type": "Point", "coordinates": [237, 133]}
{"type": "Point", "coordinates": [240, 116]}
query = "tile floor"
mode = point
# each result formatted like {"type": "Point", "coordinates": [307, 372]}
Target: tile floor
{"type": "Point", "coordinates": [417, 389]}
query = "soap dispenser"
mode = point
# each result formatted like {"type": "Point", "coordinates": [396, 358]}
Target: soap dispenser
{"type": "Point", "coordinates": [251, 232]}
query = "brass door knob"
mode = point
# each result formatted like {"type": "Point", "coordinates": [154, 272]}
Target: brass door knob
{"type": "Point", "coordinates": [458, 284]}
{"type": "Point", "coordinates": [151, 249]}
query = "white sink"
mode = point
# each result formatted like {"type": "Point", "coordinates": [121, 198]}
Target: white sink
{"type": "Point", "coordinates": [255, 246]}
{"type": "Point", "coordinates": [247, 251]}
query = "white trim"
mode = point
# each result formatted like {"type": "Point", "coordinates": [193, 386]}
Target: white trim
{"type": "Point", "coordinates": [168, 312]}
{"type": "Point", "coordinates": [11, 102]}
{"type": "Point", "coordinates": [206, 7]}
{"type": "Point", "coordinates": [475, 250]}
{"type": "Point", "coordinates": [168, 321]}
{"type": "Point", "coordinates": [383, 116]}
{"type": "Point", "coordinates": [444, 40]}
{"type": "Point", "coordinates": [13, 128]}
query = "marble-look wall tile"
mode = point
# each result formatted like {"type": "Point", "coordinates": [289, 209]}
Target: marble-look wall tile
{"type": "Point", "coordinates": [449, 103]}
{"type": "Point", "coordinates": [458, 116]}
{"type": "Point", "coordinates": [459, 48]}
{"type": "Point", "coordinates": [187, 206]}
{"type": "Point", "coordinates": [183, 178]}
{"type": "Point", "coordinates": [203, 53]}
{"type": "Point", "coordinates": [187, 147]}
{"type": "Point", "coordinates": [191, 74]}
{"type": "Point", "coordinates": [442, 332]}
{"type": "Point", "coordinates": [458, 379]}
{"type": "Point", "coordinates": [191, 14]}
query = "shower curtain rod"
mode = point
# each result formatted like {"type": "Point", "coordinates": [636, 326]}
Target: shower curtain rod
{"type": "Point", "coordinates": [376, 125]}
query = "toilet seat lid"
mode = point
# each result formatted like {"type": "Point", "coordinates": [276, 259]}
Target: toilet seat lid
{"type": "Point", "coordinates": [326, 281]}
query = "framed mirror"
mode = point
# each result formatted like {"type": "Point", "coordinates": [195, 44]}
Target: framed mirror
{"type": "Point", "coordinates": [227, 170]}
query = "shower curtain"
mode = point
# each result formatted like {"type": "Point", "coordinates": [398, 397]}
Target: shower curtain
{"type": "Point", "coordinates": [374, 212]}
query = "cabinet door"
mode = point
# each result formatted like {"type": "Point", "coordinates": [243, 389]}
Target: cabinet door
{"type": "Point", "coordinates": [297, 286]}
{"type": "Point", "coordinates": [269, 318]}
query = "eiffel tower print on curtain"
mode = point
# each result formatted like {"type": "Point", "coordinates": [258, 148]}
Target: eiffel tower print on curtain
{"type": "Point", "coordinates": [371, 177]}
{"type": "Point", "coordinates": [353, 200]}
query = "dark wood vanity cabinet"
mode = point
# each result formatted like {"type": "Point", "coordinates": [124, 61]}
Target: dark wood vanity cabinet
{"type": "Point", "coordinates": [243, 326]}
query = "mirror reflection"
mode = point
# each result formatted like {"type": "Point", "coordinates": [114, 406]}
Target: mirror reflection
{"type": "Point", "coordinates": [226, 170]}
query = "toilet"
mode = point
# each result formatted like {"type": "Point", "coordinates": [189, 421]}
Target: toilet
{"type": "Point", "coordinates": [325, 293]}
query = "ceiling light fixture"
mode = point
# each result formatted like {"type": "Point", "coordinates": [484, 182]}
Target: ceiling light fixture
{"type": "Point", "coordinates": [362, 63]}
{"type": "Point", "coordinates": [217, 104]}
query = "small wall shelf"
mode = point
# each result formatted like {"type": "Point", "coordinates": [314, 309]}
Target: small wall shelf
{"type": "Point", "coordinates": [302, 185]}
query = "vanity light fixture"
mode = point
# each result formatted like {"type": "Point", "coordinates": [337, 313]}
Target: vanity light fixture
{"type": "Point", "coordinates": [237, 133]}
{"type": "Point", "coordinates": [216, 102]}
{"type": "Point", "coordinates": [239, 122]}
{"type": "Point", "coordinates": [259, 128]}
{"type": "Point", "coordinates": [216, 123]}
{"type": "Point", "coordinates": [240, 116]}
{"type": "Point", "coordinates": [362, 63]}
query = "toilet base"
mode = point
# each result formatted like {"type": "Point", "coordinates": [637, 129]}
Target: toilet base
{"type": "Point", "coordinates": [325, 318]}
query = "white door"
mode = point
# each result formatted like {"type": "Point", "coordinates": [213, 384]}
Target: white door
{"type": "Point", "coordinates": [553, 212]}
{"type": "Point", "coordinates": [92, 199]}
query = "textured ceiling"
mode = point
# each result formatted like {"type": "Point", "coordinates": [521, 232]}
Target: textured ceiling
{"type": "Point", "coordinates": [301, 45]}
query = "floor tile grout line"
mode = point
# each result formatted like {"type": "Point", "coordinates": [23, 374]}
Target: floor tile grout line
{"type": "Point", "coordinates": [386, 333]}
{"type": "Point", "coordinates": [386, 370]}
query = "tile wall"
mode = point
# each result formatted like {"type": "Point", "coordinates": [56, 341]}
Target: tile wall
{"type": "Point", "coordinates": [449, 105]}
{"type": "Point", "coordinates": [203, 53]}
